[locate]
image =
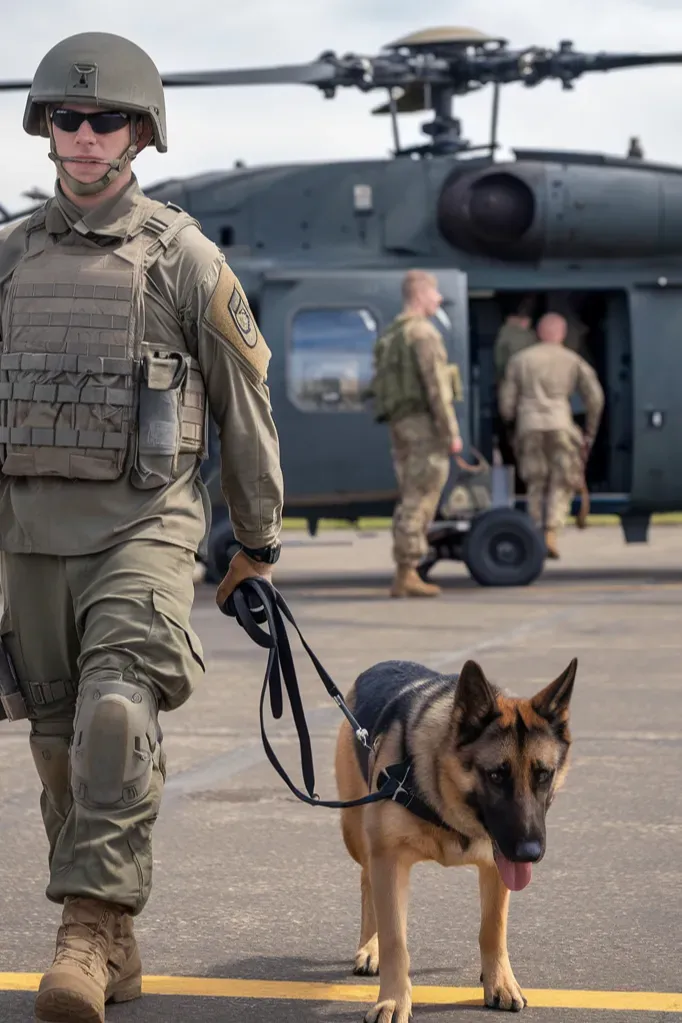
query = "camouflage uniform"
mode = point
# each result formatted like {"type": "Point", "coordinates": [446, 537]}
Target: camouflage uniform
{"type": "Point", "coordinates": [536, 392]}
{"type": "Point", "coordinates": [121, 327]}
{"type": "Point", "coordinates": [422, 462]}
{"type": "Point", "coordinates": [414, 371]}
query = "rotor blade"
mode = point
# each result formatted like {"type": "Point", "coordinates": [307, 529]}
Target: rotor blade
{"type": "Point", "coordinates": [536, 65]}
{"type": "Point", "coordinates": [316, 73]}
{"type": "Point", "coordinates": [612, 61]}
{"type": "Point", "coordinates": [14, 86]}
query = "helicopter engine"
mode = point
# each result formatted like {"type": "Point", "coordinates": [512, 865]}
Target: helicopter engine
{"type": "Point", "coordinates": [528, 211]}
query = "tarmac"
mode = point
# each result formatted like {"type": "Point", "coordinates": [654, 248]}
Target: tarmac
{"type": "Point", "coordinates": [255, 909]}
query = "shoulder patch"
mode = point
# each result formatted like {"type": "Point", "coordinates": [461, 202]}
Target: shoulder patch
{"type": "Point", "coordinates": [231, 318]}
{"type": "Point", "coordinates": [242, 317]}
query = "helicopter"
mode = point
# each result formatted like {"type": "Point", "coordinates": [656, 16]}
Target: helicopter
{"type": "Point", "coordinates": [321, 250]}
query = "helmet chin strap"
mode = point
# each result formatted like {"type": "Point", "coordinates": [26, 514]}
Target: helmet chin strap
{"type": "Point", "coordinates": [115, 166]}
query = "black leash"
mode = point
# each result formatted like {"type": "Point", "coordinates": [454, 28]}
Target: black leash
{"type": "Point", "coordinates": [255, 602]}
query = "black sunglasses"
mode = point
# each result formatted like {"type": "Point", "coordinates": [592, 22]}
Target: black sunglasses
{"type": "Point", "coordinates": [103, 122]}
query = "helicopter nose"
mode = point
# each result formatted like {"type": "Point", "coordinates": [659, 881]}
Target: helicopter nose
{"type": "Point", "coordinates": [528, 852]}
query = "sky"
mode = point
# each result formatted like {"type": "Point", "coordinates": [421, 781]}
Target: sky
{"type": "Point", "coordinates": [210, 128]}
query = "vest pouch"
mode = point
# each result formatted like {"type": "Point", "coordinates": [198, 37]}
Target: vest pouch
{"type": "Point", "coordinates": [159, 419]}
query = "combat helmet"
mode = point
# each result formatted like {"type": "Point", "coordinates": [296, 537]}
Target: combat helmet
{"type": "Point", "coordinates": [106, 70]}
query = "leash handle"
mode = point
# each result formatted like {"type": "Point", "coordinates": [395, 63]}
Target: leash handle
{"type": "Point", "coordinates": [256, 602]}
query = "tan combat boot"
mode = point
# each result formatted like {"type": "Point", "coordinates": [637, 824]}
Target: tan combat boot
{"type": "Point", "coordinates": [407, 583]}
{"type": "Point", "coordinates": [73, 989]}
{"type": "Point", "coordinates": [125, 965]}
{"type": "Point", "coordinates": [551, 544]}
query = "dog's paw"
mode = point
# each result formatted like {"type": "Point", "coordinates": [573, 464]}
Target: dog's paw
{"type": "Point", "coordinates": [367, 959]}
{"type": "Point", "coordinates": [391, 1010]}
{"type": "Point", "coordinates": [501, 991]}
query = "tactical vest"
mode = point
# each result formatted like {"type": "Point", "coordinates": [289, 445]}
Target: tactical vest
{"type": "Point", "coordinates": [84, 394]}
{"type": "Point", "coordinates": [397, 387]}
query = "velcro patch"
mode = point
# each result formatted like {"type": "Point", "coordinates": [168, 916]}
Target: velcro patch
{"type": "Point", "coordinates": [243, 318]}
{"type": "Point", "coordinates": [230, 316]}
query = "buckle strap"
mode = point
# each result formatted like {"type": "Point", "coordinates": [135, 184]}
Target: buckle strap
{"type": "Point", "coordinates": [395, 780]}
{"type": "Point", "coordinates": [43, 693]}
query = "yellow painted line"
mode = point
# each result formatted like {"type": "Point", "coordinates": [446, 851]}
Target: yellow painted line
{"type": "Point", "coordinates": [215, 987]}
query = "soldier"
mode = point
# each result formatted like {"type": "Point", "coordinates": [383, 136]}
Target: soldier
{"type": "Point", "coordinates": [413, 387]}
{"type": "Point", "coordinates": [515, 334]}
{"type": "Point", "coordinates": [121, 326]}
{"type": "Point", "coordinates": [551, 450]}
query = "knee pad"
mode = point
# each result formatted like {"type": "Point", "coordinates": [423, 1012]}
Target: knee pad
{"type": "Point", "coordinates": [115, 736]}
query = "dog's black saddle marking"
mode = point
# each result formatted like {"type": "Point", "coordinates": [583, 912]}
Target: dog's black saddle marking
{"type": "Point", "coordinates": [386, 694]}
{"type": "Point", "coordinates": [256, 601]}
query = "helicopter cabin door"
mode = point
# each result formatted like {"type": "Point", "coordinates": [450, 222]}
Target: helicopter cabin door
{"type": "Point", "coordinates": [321, 328]}
{"type": "Point", "coordinates": [656, 311]}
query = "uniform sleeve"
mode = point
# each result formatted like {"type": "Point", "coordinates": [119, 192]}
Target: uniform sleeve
{"type": "Point", "coordinates": [509, 391]}
{"type": "Point", "coordinates": [593, 395]}
{"type": "Point", "coordinates": [234, 358]}
{"type": "Point", "coordinates": [432, 360]}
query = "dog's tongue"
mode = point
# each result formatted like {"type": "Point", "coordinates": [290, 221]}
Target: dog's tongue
{"type": "Point", "coordinates": [515, 875]}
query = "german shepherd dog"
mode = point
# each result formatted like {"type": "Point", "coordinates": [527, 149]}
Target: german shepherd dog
{"type": "Point", "coordinates": [485, 767]}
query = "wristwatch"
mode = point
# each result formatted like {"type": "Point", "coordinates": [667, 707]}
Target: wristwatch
{"type": "Point", "coordinates": [264, 555]}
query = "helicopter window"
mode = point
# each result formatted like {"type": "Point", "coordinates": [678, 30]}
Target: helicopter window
{"type": "Point", "coordinates": [330, 362]}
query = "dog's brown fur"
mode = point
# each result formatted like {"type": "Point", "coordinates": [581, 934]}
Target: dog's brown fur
{"type": "Point", "coordinates": [456, 732]}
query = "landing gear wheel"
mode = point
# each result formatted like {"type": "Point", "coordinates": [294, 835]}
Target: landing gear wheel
{"type": "Point", "coordinates": [504, 548]}
{"type": "Point", "coordinates": [222, 547]}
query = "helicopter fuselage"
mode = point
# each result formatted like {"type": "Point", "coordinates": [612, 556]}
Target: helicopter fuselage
{"type": "Point", "coordinates": [321, 249]}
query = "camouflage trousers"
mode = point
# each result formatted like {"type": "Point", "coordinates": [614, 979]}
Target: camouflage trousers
{"type": "Point", "coordinates": [74, 626]}
{"type": "Point", "coordinates": [421, 462]}
{"type": "Point", "coordinates": [550, 464]}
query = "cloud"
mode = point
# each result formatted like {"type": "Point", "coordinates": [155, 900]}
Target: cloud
{"type": "Point", "coordinates": [210, 128]}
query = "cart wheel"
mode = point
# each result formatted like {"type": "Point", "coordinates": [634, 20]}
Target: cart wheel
{"type": "Point", "coordinates": [222, 547]}
{"type": "Point", "coordinates": [504, 548]}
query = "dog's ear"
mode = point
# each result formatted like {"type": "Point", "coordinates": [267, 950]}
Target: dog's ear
{"type": "Point", "coordinates": [552, 702]}
{"type": "Point", "coordinates": [475, 705]}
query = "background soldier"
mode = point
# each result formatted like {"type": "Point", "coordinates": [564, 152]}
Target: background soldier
{"type": "Point", "coordinates": [551, 450]}
{"type": "Point", "coordinates": [119, 321]}
{"type": "Point", "coordinates": [413, 390]}
{"type": "Point", "coordinates": [515, 334]}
